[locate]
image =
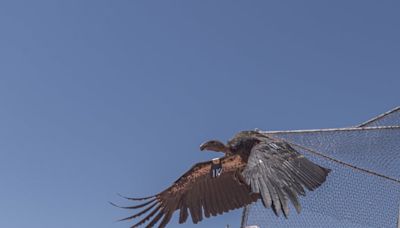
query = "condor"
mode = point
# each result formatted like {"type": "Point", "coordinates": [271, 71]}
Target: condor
{"type": "Point", "coordinates": [254, 166]}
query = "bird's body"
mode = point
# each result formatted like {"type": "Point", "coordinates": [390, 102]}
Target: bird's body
{"type": "Point", "coordinates": [255, 166]}
{"type": "Point", "coordinates": [243, 142]}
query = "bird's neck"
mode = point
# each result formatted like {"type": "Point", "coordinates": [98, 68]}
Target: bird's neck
{"type": "Point", "coordinates": [226, 150]}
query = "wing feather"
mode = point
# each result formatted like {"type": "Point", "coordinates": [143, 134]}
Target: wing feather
{"type": "Point", "coordinates": [140, 213]}
{"type": "Point", "coordinates": [172, 203]}
{"type": "Point", "coordinates": [138, 199]}
{"type": "Point", "coordinates": [223, 202]}
{"type": "Point", "coordinates": [155, 219]}
{"type": "Point", "coordinates": [230, 190]}
{"type": "Point", "coordinates": [279, 173]}
{"type": "Point", "coordinates": [136, 206]}
{"type": "Point", "coordinates": [210, 197]}
{"type": "Point", "coordinates": [265, 192]}
{"type": "Point", "coordinates": [197, 191]}
{"type": "Point", "coordinates": [191, 206]}
{"type": "Point", "coordinates": [205, 199]}
{"type": "Point", "coordinates": [183, 215]}
{"type": "Point", "coordinates": [151, 214]}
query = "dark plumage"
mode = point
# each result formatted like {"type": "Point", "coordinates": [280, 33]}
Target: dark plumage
{"type": "Point", "coordinates": [255, 166]}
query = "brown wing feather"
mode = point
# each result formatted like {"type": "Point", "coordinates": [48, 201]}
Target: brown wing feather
{"type": "Point", "coordinates": [196, 191]}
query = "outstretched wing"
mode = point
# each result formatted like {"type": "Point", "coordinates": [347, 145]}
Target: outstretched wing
{"type": "Point", "coordinates": [197, 191]}
{"type": "Point", "coordinates": [279, 173]}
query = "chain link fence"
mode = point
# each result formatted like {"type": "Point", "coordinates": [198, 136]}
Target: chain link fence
{"type": "Point", "coordinates": [351, 197]}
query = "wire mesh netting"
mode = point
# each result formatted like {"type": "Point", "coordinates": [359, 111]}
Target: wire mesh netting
{"type": "Point", "coordinates": [349, 198]}
{"type": "Point", "coordinates": [390, 118]}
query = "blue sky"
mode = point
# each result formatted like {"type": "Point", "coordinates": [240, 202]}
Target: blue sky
{"type": "Point", "coordinates": [101, 97]}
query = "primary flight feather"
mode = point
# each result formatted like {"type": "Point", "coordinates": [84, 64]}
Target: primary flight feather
{"type": "Point", "coordinates": [255, 166]}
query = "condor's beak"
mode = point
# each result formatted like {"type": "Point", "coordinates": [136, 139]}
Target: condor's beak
{"type": "Point", "coordinates": [203, 146]}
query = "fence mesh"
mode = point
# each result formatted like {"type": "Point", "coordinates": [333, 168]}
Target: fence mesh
{"type": "Point", "coordinates": [390, 118]}
{"type": "Point", "coordinates": [349, 198]}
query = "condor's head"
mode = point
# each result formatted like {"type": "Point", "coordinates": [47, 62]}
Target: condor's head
{"type": "Point", "coordinates": [214, 145]}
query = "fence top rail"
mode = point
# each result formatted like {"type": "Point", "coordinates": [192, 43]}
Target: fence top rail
{"type": "Point", "coordinates": [333, 129]}
{"type": "Point", "coordinates": [379, 116]}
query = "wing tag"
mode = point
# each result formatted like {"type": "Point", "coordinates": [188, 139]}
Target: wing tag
{"type": "Point", "coordinates": [216, 168]}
